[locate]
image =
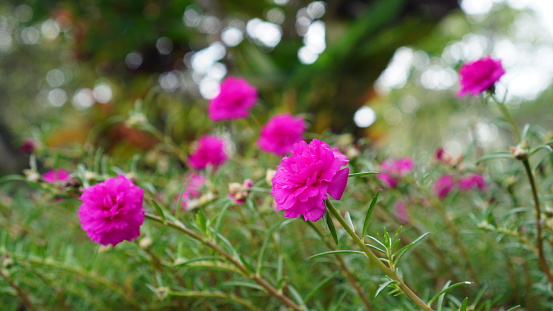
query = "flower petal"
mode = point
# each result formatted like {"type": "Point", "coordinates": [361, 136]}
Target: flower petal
{"type": "Point", "coordinates": [338, 184]}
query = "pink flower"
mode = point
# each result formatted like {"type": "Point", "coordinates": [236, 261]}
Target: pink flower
{"type": "Point", "coordinates": [28, 146]}
{"type": "Point", "coordinates": [194, 183]}
{"type": "Point", "coordinates": [441, 155]}
{"type": "Point", "coordinates": [401, 212]}
{"type": "Point", "coordinates": [480, 75]}
{"type": "Point", "coordinates": [443, 186]}
{"type": "Point", "coordinates": [236, 97]}
{"type": "Point", "coordinates": [388, 180]}
{"type": "Point", "coordinates": [473, 181]}
{"type": "Point", "coordinates": [210, 151]}
{"type": "Point", "coordinates": [280, 134]}
{"type": "Point", "coordinates": [393, 169]}
{"type": "Point", "coordinates": [56, 175]}
{"type": "Point", "coordinates": [112, 211]}
{"type": "Point", "coordinates": [303, 179]}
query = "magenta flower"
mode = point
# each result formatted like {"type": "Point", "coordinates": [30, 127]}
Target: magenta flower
{"type": "Point", "coordinates": [472, 181]}
{"type": "Point", "coordinates": [392, 170]}
{"type": "Point", "coordinates": [28, 146]}
{"type": "Point", "coordinates": [480, 75]}
{"type": "Point", "coordinates": [304, 179]}
{"type": "Point", "coordinates": [280, 134]}
{"type": "Point", "coordinates": [443, 186]}
{"type": "Point", "coordinates": [56, 175]}
{"type": "Point", "coordinates": [236, 97]}
{"type": "Point", "coordinates": [112, 211]}
{"type": "Point", "coordinates": [210, 151]}
{"type": "Point", "coordinates": [441, 155]}
{"type": "Point", "coordinates": [194, 183]}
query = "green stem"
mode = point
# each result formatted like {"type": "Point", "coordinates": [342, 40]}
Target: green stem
{"type": "Point", "coordinates": [160, 266]}
{"type": "Point", "coordinates": [20, 292]}
{"type": "Point", "coordinates": [83, 272]}
{"type": "Point", "coordinates": [205, 294]}
{"type": "Point", "coordinates": [452, 227]}
{"type": "Point", "coordinates": [372, 257]}
{"type": "Point", "coordinates": [508, 117]}
{"type": "Point", "coordinates": [539, 239]}
{"type": "Point", "coordinates": [256, 278]}
{"type": "Point", "coordinates": [168, 141]}
{"type": "Point", "coordinates": [344, 268]}
{"type": "Point", "coordinates": [454, 232]}
{"type": "Point", "coordinates": [382, 215]}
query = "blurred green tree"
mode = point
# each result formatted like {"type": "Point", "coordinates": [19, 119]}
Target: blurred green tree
{"type": "Point", "coordinates": [305, 56]}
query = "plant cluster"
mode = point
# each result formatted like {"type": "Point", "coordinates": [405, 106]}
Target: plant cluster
{"type": "Point", "coordinates": [200, 225]}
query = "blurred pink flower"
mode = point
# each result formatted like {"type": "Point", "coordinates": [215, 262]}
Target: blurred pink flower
{"type": "Point", "coordinates": [303, 179]}
{"type": "Point", "coordinates": [388, 180]}
{"type": "Point", "coordinates": [56, 175]}
{"type": "Point", "coordinates": [28, 146]}
{"type": "Point", "coordinates": [210, 151]}
{"type": "Point", "coordinates": [280, 134]}
{"type": "Point", "coordinates": [236, 97]}
{"type": "Point", "coordinates": [112, 211]}
{"type": "Point", "coordinates": [401, 212]}
{"type": "Point", "coordinates": [473, 181]}
{"type": "Point", "coordinates": [194, 183]}
{"type": "Point", "coordinates": [480, 75]}
{"type": "Point", "coordinates": [392, 170]}
{"type": "Point", "coordinates": [443, 186]}
{"type": "Point", "coordinates": [441, 155]}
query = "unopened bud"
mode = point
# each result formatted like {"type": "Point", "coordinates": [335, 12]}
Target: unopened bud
{"type": "Point", "coordinates": [269, 176]}
{"type": "Point", "coordinates": [103, 248]}
{"type": "Point", "coordinates": [136, 119]}
{"type": "Point", "coordinates": [31, 175]}
{"type": "Point", "coordinates": [90, 175]}
{"type": "Point", "coordinates": [145, 243]}
{"type": "Point", "coordinates": [234, 187]}
{"type": "Point", "coordinates": [520, 152]}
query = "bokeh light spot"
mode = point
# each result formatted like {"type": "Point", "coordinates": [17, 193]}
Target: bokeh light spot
{"type": "Point", "coordinates": [102, 93]}
{"type": "Point", "coordinates": [364, 117]}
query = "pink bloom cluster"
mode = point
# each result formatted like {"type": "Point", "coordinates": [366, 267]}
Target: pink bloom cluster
{"type": "Point", "coordinates": [56, 175]}
{"type": "Point", "coordinates": [210, 151]}
{"type": "Point", "coordinates": [280, 134]}
{"type": "Point", "coordinates": [474, 181]}
{"type": "Point", "coordinates": [480, 75]}
{"type": "Point", "coordinates": [393, 170]}
{"type": "Point", "coordinates": [194, 183]}
{"type": "Point", "coordinates": [112, 211]}
{"type": "Point", "coordinates": [445, 184]}
{"type": "Point", "coordinates": [303, 179]}
{"type": "Point", "coordinates": [235, 98]}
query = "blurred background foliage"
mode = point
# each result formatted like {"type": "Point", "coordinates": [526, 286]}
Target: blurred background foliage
{"type": "Point", "coordinates": [67, 67]}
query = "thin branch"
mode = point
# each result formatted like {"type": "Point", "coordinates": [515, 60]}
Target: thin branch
{"type": "Point", "coordinates": [372, 257]}
{"type": "Point", "coordinates": [258, 279]}
{"type": "Point", "coordinates": [539, 239]}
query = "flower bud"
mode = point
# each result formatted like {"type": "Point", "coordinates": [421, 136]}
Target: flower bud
{"type": "Point", "coordinates": [520, 152]}
{"type": "Point", "coordinates": [269, 176]}
{"type": "Point", "coordinates": [31, 175]}
{"type": "Point", "coordinates": [145, 243]}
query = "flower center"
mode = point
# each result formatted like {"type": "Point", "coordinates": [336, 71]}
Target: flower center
{"type": "Point", "coordinates": [109, 202]}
